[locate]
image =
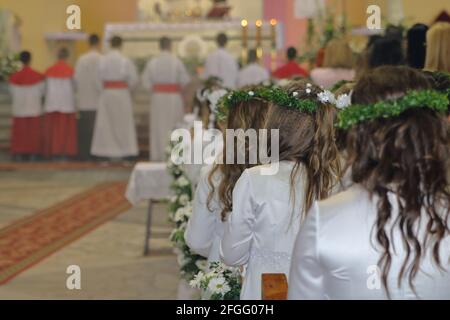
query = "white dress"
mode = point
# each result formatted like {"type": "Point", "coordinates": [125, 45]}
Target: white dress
{"type": "Point", "coordinates": [86, 73]}
{"type": "Point", "coordinates": [115, 131]}
{"type": "Point", "coordinates": [205, 227]}
{"type": "Point", "coordinates": [223, 65]}
{"type": "Point", "coordinates": [334, 259]}
{"type": "Point", "coordinates": [252, 74]}
{"type": "Point", "coordinates": [166, 108]}
{"type": "Point", "coordinates": [261, 231]}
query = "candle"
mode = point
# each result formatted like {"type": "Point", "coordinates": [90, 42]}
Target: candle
{"type": "Point", "coordinates": [244, 24]}
{"type": "Point", "coordinates": [273, 32]}
{"type": "Point", "coordinates": [258, 24]}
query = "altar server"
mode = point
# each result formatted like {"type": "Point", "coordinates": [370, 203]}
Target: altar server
{"type": "Point", "coordinates": [291, 69]}
{"type": "Point", "coordinates": [222, 64]}
{"type": "Point", "coordinates": [269, 205]}
{"type": "Point", "coordinates": [164, 77]}
{"type": "Point", "coordinates": [88, 93]}
{"type": "Point", "coordinates": [60, 136]}
{"type": "Point", "coordinates": [212, 200]}
{"type": "Point", "coordinates": [387, 236]}
{"type": "Point", "coordinates": [253, 73]}
{"type": "Point", "coordinates": [27, 90]}
{"type": "Point", "coordinates": [115, 131]}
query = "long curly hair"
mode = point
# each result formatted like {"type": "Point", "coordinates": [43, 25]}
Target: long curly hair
{"type": "Point", "coordinates": [407, 156]}
{"type": "Point", "coordinates": [308, 139]}
{"type": "Point", "coordinates": [246, 115]}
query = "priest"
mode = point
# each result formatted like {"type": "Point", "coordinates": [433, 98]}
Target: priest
{"type": "Point", "coordinates": [291, 69]}
{"type": "Point", "coordinates": [164, 77]}
{"type": "Point", "coordinates": [88, 93]}
{"type": "Point", "coordinates": [60, 136]}
{"type": "Point", "coordinates": [221, 64]}
{"type": "Point", "coordinates": [115, 131]}
{"type": "Point", "coordinates": [27, 90]}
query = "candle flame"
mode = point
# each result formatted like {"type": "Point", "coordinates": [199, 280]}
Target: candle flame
{"type": "Point", "coordinates": [258, 23]}
{"type": "Point", "coordinates": [273, 22]}
{"type": "Point", "coordinates": [244, 23]}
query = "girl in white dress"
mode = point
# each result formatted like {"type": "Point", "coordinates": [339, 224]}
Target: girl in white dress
{"type": "Point", "coordinates": [213, 196]}
{"type": "Point", "coordinates": [388, 235]}
{"type": "Point", "coordinates": [268, 209]}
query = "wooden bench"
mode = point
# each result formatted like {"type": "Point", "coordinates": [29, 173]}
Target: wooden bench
{"type": "Point", "coordinates": [274, 286]}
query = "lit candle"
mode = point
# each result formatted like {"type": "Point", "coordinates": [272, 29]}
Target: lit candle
{"type": "Point", "coordinates": [273, 32]}
{"type": "Point", "coordinates": [244, 24]}
{"type": "Point", "coordinates": [258, 24]}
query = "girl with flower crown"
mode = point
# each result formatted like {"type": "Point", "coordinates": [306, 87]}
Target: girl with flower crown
{"type": "Point", "coordinates": [213, 196]}
{"type": "Point", "coordinates": [388, 235]}
{"type": "Point", "coordinates": [268, 208]}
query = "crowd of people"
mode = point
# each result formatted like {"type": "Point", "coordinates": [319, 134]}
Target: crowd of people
{"type": "Point", "coordinates": [359, 208]}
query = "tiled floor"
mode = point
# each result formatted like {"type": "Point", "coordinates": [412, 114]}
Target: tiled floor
{"type": "Point", "coordinates": [110, 257]}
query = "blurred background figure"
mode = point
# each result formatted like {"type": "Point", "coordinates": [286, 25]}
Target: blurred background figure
{"type": "Point", "coordinates": [417, 45]}
{"type": "Point", "coordinates": [253, 73]}
{"type": "Point", "coordinates": [438, 47]}
{"type": "Point", "coordinates": [386, 52]}
{"type": "Point", "coordinates": [291, 69]}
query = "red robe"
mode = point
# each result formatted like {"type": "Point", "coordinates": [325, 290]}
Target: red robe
{"type": "Point", "coordinates": [290, 70]}
{"type": "Point", "coordinates": [26, 131]}
{"type": "Point", "coordinates": [60, 128]}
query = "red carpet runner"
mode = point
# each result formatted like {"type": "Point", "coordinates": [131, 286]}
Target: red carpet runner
{"type": "Point", "coordinates": [30, 240]}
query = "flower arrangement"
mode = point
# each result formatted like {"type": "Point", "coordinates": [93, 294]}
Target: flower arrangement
{"type": "Point", "coordinates": [180, 210]}
{"type": "Point", "coordinates": [355, 114]}
{"type": "Point", "coordinates": [219, 283]}
{"type": "Point", "coordinates": [8, 65]}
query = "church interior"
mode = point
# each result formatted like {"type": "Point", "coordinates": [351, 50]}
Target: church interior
{"type": "Point", "coordinates": [103, 227]}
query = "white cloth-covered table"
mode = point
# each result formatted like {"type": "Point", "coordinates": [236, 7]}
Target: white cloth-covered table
{"type": "Point", "coordinates": [148, 181]}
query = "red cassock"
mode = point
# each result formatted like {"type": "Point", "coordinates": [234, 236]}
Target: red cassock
{"type": "Point", "coordinates": [290, 70]}
{"type": "Point", "coordinates": [60, 122]}
{"type": "Point", "coordinates": [26, 132]}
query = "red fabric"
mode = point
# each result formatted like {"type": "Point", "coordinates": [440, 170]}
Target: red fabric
{"type": "Point", "coordinates": [60, 134]}
{"type": "Point", "coordinates": [26, 77]}
{"type": "Point", "coordinates": [115, 84]}
{"type": "Point", "coordinates": [289, 70]}
{"type": "Point", "coordinates": [320, 57]}
{"type": "Point", "coordinates": [60, 70]}
{"type": "Point", "coordinates": [26, 136]}
{"type": "Point", "coordinates": [166, 88]}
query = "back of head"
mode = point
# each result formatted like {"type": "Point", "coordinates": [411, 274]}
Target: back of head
{"type": "Point", "coordinates": [417, 38]}
{"type": "Point", "coordinates": [25, 57]}
{"type": "Point", "coordinates": [291, 53]}
{"type": "Point", "coordinates": [438, 47]}
{"type": "Point", "coordinates": [338, 54]}
{"type": "Point", "coordinates": [116, 42]}
{"type": "Point", "coordinates": [94, 40]}
{"type": "Point", "coordinates": [386, 52]}
{"type": "Point", "coordinates": [63, 53]}
{"type": "Point", "coordinates": [165, 43]}
{"type": "Point", "coordinates": [405, 154]}
{"type": "Point", "coordinates": [222, 40]}
{"type": "Point", "coordinates": [394, 32]}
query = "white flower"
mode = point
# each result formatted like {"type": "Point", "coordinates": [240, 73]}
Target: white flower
{"type": "Point", "coordinates": [219, 286]}
{"type": "Point", "coordinates": [308, 85]}
{"type": "Point", "coordinates": [182, 181]}
{"type": "Point", "coordinates": [201, 264]}
{"type": "Point", "coordinates": [251, 93]}
{"type": "Point", "coordinates": [295, 94]}
{"type": "Point", "coordinates": [343, 101]}
{"type": "Point", "coordinates": [173, 199]}
{"type": "Point", "coordinates": [308, 90]}
{"type": "Point", "coordinates": [184, 199]}
{"type": "Point", "coordinates": [214, 98]}
{"type": "Point", "coordinates": [196, 282]}
{"type": "Point", "coordinates": [182, 260]}
{"type": "Point", "coordinates": [179, 215]}
{"type": "Point", "coordinates": [283, 82]}
{"type": "Point", "coordinates": [326, 97]}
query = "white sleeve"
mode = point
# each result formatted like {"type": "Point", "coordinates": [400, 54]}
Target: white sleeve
{"type": "Point", "coordinates": [184, 77]}
{"type": "Point", "coordinates": [306, 274]}
{"type": "Point", "coordinates": [208, 68]}
{"type": "Point", "coordinates": [238, 236]}
{"type": "Point", "coordinates": [200, 234]}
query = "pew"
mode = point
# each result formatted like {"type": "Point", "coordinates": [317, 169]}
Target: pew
{"type": "Point", "coordinates": [274, 286]}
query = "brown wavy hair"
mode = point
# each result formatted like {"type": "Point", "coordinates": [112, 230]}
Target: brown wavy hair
{"type": "Point", "coordinates": [246, 115]}
{"type": "Point", "coordinates": [308, 139]}
{"type": "Point", "coordinates": [407, 156]}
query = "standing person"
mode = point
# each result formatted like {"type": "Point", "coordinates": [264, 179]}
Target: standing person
{"type": "Point", "coordinates": [291, 69]}
{"type": "Point", "coordinates": [268, 209]}
{"type": "Point", "coordinates": [86, 72]}
{"type": "Point", "coordinates": [388, 235]}
{"type": "Point", "coordinates": [438, 47]}
{"type": "Point", "coordinates": [386, 51]}
{"type": "Point", "coordinates": [417, 45]}
{"type": "Point", "coordinates": [27, 89]}
{"type": "Point", "coordinates": [253, 73]}
{"type": "Point", "coordinates": [115, 131]}
{"type": "Point", "coordinates": [60, 136]}
{"type": "Point", "coordinates": [164, 77]}
{"type": "Point", "coordinates": [222, 64]}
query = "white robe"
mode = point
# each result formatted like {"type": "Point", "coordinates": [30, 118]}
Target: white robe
{"type": "Point", "coordinates": [252, 74]}
{"type": "Point", "coordinates": [334, 259]}
{"type": "Point", "coordinates": [223, 65]}
{"type": "Point", "coordinates": [205, 227]}
{"type": "Point", "coordinates": [27, 99]}
{"type": "Point", "coordinates": [115, 131]}
{"type": "Point", "coordinates": [60, 95]}
{"type": "Point", "coordinates": [261, 230]}
{"type": "Point", "coordinates": [166, 108]}
{"type": "Point", "coordinates": [86, 73]}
